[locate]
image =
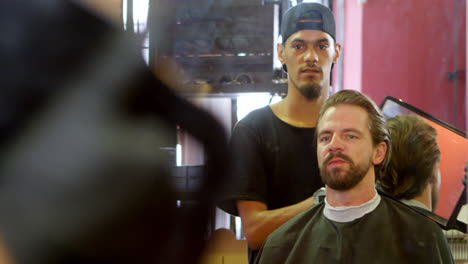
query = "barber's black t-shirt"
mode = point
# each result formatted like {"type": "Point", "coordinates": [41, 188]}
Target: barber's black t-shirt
{"type": "Point", "coordinates": [272, 162]}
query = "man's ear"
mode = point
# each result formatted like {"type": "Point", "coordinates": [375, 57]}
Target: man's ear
{"type": "Point", "coordinates": [337, 52]}
{"type": "Point", "coordinates": [280, 49]}
{"type": "Point", "coordinates": [379, 153]}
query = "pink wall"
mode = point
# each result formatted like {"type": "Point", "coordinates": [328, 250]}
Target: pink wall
{"type": "Point", "coordinates": [405, 49]}
{"type": "Point", "coordinates": [352, 46]}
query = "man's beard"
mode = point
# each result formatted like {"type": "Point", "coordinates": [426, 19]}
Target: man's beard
{"type": "Point", "coordinates": [310, 90]}
{"type": "Point", "coordinates": [341, 180]}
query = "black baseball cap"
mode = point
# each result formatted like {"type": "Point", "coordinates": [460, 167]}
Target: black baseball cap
{"type": "Point", "coordinates": [308, 16]}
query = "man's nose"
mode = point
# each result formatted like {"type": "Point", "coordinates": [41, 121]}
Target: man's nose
{"type": "Point", "coordinates": [336, 144]}
{"type": "Point", "coordinates": [311, 55]}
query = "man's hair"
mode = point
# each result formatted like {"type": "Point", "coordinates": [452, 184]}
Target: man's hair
{"type": "Point", "coordinates": [409, 172]}
{"type": "Point", "coordinates": [377, 124]}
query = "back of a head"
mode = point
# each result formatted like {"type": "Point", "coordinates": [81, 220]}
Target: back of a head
{"type": "Point", "coordinates": [415, 152]}
{"type": "Point", "coordinates": [377, 123]}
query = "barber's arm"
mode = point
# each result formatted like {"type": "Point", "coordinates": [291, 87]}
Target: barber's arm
{"type": "Point", "coordinates": [258, 222]}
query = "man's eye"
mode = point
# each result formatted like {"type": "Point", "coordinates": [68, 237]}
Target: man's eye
{"type": "Point", "coordinates": [324, 139]}
{"type": "Point", "coordinates": [351, 136]}
{"type": "Point", "coordinates": [323, 46]}
{"type": "Point", "coordinates": [298, 46]}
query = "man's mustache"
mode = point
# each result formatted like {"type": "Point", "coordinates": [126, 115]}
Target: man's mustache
{"type": "Point", "coordinates": [307, 66]}
{"type": "Point", "coordinates": [337, 155]}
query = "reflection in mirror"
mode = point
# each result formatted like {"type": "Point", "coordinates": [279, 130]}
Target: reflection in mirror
{"type": "Point", "coordinates": [453, 144]}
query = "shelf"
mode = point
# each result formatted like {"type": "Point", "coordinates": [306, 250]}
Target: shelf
{"type": "Point", "coordinates": [219, 89]}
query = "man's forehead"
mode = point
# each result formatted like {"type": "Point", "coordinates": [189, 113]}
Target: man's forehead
{"type": "Point", "coordinates": [310, 35]}
{"type": "Point", "coordinates": [344, 117]}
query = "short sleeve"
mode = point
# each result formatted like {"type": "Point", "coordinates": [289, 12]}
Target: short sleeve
{"type": "Point", "coordinates": [246, 169]}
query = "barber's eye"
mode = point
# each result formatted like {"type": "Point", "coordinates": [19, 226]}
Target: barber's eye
{"type": "Point", "coordinates": [298, 46]}
{"type": "Point", "coordinates": [323, 46]}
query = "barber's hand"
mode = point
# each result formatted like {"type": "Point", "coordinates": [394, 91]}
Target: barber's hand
{"type": "Point", "coordinates": [319, 195]}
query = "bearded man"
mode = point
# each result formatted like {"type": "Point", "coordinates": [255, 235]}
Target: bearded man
{"type": "Point", "coordinates": [274, 164]}
{"type": "Point", "coordinates": [354, 224]}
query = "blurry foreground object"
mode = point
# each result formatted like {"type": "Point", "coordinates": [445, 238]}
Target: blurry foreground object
{"type": "Point", "coordinates": [111, 9]}
{"type": "Point", "coordinates": [82, 176]}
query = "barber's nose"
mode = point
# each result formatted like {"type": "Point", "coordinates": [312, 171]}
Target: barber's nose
{"type": "Point", "coordinates": [311, 55]}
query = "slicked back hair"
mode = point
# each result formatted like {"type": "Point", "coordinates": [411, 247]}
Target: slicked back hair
{"type": "Point", "coordinates": [377, 123]}
{"type": "Point", "coordinates": [409, 171]}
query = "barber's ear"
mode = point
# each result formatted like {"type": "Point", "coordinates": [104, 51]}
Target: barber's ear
{"type": "Point", "coordinates": [379, 153]}
{"type": "Point", "coordinates": [337, 52]}
{"type": "Point", "coordinates": [280, 49]}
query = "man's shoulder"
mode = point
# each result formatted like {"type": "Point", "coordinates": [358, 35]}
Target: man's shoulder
{"type": "Point", "coordinates": [257, 117]}
{"type": "Point", "coordinates": [409, 216]}
{"type": "Point", "coordinates": [417, 232]}
{"type": "Point", "coordinates": [292, 229]}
